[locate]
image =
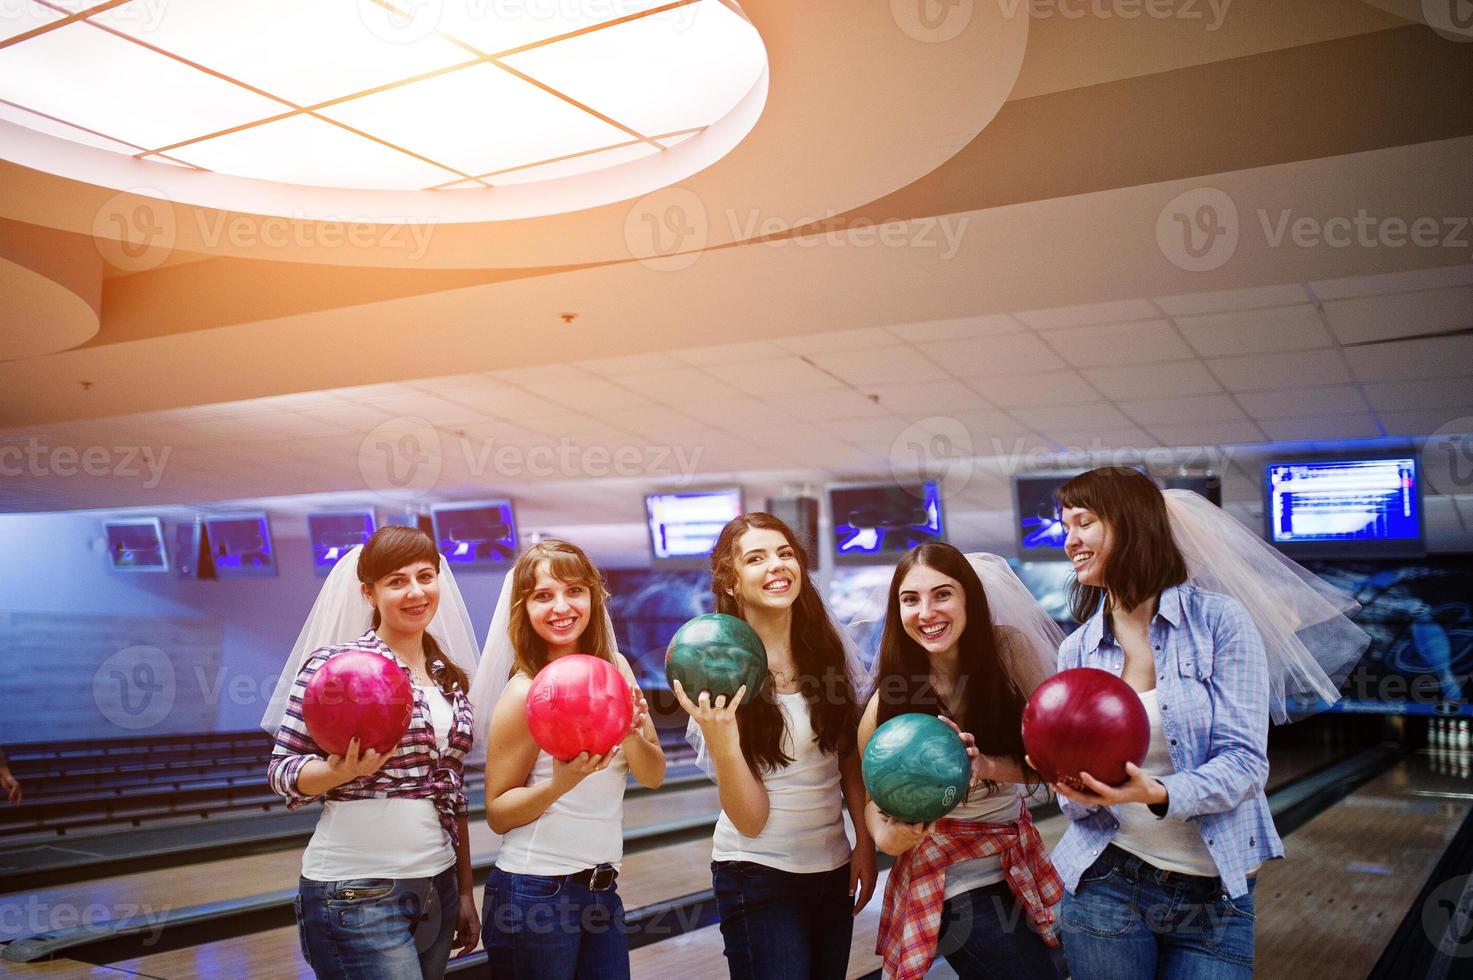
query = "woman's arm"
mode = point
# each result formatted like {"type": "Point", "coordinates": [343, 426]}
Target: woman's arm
{"type": "Point", "coordinates": [510, 755]}
{"type": "Point", "coordinates": [863, 869]}
{"type": "Point", "coordinates": [743, 797]}
{"type": "Point", "coordinates": [642, 745]}
{"type": "Point", "coordinates": [467, 921]}
{"type": "Point", "coordinates": [297, 771]}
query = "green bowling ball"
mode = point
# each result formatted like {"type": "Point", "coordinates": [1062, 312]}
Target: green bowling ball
{"type": "Point", "coordinates": [916, 768]}
{"type": "Point", "coordinates": [716, 653]}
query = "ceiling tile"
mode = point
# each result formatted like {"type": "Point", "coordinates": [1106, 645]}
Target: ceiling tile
{"type": "Point", "coordinates": [1290, 403]}
{"type": "Point", "coordinates": [1258, 372]}
{"type": "Point", "coordinates": [1046, 388]}
{"type": "Point", "coordinates": [1176, 379]}
{"type": "Point", "coordinates": [839, 403]}
{"type": "Point", "coordinates": [1400, 395]}
{"type": "Point", "coordinates": [838, 340]}
{"type": "Point", "coordinates": [539, 375]}
{"type": "Point", "coordinates": [436, 411]}
{"type": "Point", "coordinates": [739, 414]}
{"type": "Point", "coordinates": [983, 357]}
{"type": "Point", "coordinates": [975, 326]}
{"type": "Point", "coordinates": [1361, 426]}
{"type": "Point", "coordinates": [1124, 440]}
{"type": "Point", "coordinates": [1401, 315]}
{"type": "Point", "coordinates": [1081, 418]}
{"type": "Point", "coordinates": [629, 364]}
{"type": "Point", "coordinates": [1208, 434]}
{"type": "Point", "coordinates": [503, 401]}
{"type": "Point", "coordinates": [1393, 282]}
{"type": "Point", "coordinates": [1120, 343]}
{"type": "Point", "coordinates": [683, 387]}
{"type": "Point", "coordinates": [591, 395]}
{"type": "Point", "coordinates": [1079, 316]}
{"type": "Point", "coordinates": [730, 353]}
{"type": "Point", "coordinates": [784, 375]}
{"type": "Point", "coordinates": [1189, 304]}
{"type": "Point", "coordinates": [1409, 360]}
{"type": "Point", "coordinates": [1167, 411]}
{"type": "Point", "coordinates": [1420, 422]}
{"type": "Point", "coordinates": [1285, 328]}
{"type": "Point", "coordinates": [879, 365]}
{"type": "Point", "coordinates": [658, 422]}
{"type": "Point", "coordinates": [927, 398]}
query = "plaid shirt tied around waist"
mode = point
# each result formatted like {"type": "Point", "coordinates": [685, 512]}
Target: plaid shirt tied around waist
{"type": "Point", "coordinates": [910, 919]}
{"type": "Point", "coordinates": [416, 770]}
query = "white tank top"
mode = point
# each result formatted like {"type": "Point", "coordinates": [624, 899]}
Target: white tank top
{"type": "Point", "coordinates": [584, 827]}
{"type": "Point", "coordinates": [1002, 806]}
{"type": "Point", "coordinates": [805, 822]}
{"type": "Point", "coordinates": [384, 838]}
{"type": "Point", "coordinates": [1171, 845]}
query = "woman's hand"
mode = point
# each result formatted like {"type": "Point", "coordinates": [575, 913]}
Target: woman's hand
{"type": "Point", "coordinates": [566, 775]}
{"type": "Point", "coordinates": [717, 718]}
{"type": "Point", "coordinates": [895, 837]}
{"type": "Point", "coordinates": [983, 767]}
{"type": "Point", "coordinates": [351, 765]}
{"type": "Point", "coordinates": [641, 712]}
{"type": "Point", "coordinates": [864, 871]}
{"type": "Point", "coordinates": [1089, 791]}
{"type": "Point", "coordinates": [467, 926]}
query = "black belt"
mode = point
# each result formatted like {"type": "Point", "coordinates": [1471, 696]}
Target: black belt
{"type": "Point", "coordinates": [596, 879]}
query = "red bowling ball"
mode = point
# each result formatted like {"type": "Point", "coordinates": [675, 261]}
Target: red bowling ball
{"type": "Point", "coordinates": [360, 693]}
{"type": "Point", "coordinates": [579, 703]}
{"type": "Point", "coordinates": [1085, 720]}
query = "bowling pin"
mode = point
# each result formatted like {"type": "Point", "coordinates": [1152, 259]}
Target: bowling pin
{"type": "Point", "coordinates": [1463, 735]}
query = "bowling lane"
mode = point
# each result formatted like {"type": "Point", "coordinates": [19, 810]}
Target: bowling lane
{"type": "Point", "coordinates": [61, 970]}
{"type": "Point", "coordinates": [647, 877]}
{"type": "Point", "coordinates": [1354, 870]}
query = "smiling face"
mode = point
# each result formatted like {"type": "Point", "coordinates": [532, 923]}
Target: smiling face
{"type": "Point", "coordinates": [406, 598]}
{"type": "Point", "coordinates": [933, 609]}
{"type": "Point", "coordinates": [767, 571]}
{"type": "Point", "coordinates": [558, 611]}
{"type": "Point", "coordinates": [1087, 545]}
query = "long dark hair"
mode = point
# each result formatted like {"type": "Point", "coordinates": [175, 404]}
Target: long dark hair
{"type": "Point", "coordinates": [991, 702]}
{"type": "Point", "coordinates": [817, 651]}
{"type": "Point", "coordinates": [391, 548]}
{"type": "Point", "coordinates": [1143, 558]}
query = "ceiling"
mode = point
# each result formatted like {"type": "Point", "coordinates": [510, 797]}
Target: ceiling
{"type": "Point", "coordinates": [972, 249]}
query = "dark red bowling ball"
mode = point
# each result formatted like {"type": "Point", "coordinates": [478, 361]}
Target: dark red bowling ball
{"type": "Point", "coordinates": [1085, 720]}
{"type": "Point", "coordinates": [579, 703]}
{"type": "Point", "coordinates": [358, 692]}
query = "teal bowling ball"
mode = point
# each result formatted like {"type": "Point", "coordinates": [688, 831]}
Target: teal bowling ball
{"type": "Point", "coordinates": [916, 768]}
{"type": "Point", "coordinates": [716, 653]}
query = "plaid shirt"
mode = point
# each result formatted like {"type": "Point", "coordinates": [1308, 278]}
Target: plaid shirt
{"type": "Point", "coordinates": [415, 771]}
{"type": "Point", "coordinates": [1212, 686]}
{"type": "Point", "coordinates": [910, 919]}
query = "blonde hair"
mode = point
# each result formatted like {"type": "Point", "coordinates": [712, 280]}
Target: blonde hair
{"type": "Point", "coordinates": [567, 563]}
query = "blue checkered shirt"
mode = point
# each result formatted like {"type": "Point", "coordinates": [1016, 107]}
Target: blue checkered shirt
{"type": "Point", "coordinates": [1212, 686]}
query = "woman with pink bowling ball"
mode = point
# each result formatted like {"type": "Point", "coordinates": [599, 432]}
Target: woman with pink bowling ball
{"type": "Point", "coordinates": [376, 724]}
{"type": "Point", "coordinates": [565, 725]}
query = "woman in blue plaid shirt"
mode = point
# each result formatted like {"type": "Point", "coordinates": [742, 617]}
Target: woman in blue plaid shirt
{"type": "Point", "coordinates": [1159, 871]}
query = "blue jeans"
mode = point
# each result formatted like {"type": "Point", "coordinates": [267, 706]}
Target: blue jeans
{"type": "Point", "coordinates": [778, 925]}
{"type": "Point", "coordinates": [549, 928]}
{"type": "Point", "coordinates": [985, 936]}
{"type": "Point", "coordinates": [1128, 919]}
{"type": "Point", "coordinates": [378, 928]}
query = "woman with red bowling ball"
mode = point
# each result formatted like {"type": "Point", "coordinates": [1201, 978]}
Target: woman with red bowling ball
{"type": "Point", "coordinates": [971, 653]}
{"type": "Point", "coordinates": [552, 907]}
{"type": "Point", "coordinates": [1160, 869]}
{"type": "Point", "coordinates": [786, 764]}
{"type": "Point", "coordinates": [386, 889]}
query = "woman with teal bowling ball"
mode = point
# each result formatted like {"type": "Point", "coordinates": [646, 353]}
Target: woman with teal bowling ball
{"type": "Point", "coordinates": [974, 885]}
{"type": "Point", "coordinates": [552, 908]}
{"type": "Point", "coordinates": [787, 882]}
{"type": "Point", "coordinates": [1160, 870]}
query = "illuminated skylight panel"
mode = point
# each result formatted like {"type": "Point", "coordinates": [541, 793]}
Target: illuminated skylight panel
{"type": "Point", "coordinates": [52, 128]}
{"type": "Point", "coordinates": [91, 78]}
{"type": "Point", "coordinates": [675, 70]}
{"type": "Point", "coordinates": [477, 120]}
{"type": "Point", "coordinates": [17, 18]}
{"type": "Point", "coordinates": [304, 150]}
{"type": "Point", "coordinates": [493, 26]}
{"type": "Point", "coordinates": [582, 164]}
{"type": "Point", "coordinates": [306, 51]}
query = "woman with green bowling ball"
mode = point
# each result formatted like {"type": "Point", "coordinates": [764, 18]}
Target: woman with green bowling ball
{"type": "Point", "coordinates": [969, 885]}
{"type": "Point", "coordinates": [1160, 870]}
{"type": "Point", "coordinates": [386, 889]}
{"type": "Point", "coordinates": [787, 884]}
{"type": "Point", "coordinates": [552, 907]}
